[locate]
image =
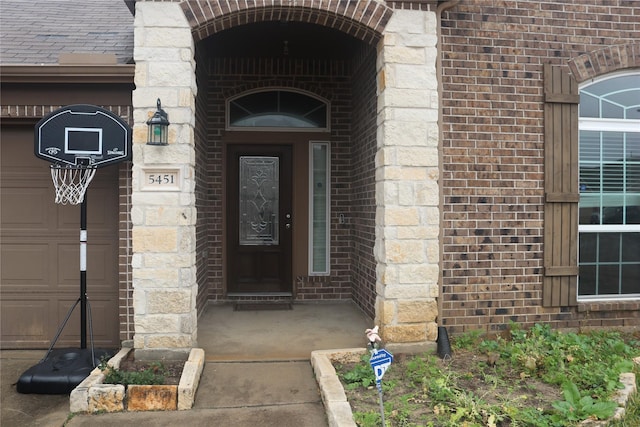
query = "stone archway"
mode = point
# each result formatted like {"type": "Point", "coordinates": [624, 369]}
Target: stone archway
{"type": "Point", "coordinates": [406, 248]}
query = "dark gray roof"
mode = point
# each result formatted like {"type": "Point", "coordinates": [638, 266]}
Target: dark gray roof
{"type": "Point", "coordinates": [38, 31]}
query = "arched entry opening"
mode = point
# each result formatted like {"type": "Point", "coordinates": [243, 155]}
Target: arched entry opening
{"type": "Point", "coordinates": [381, 142]}
{"type": "Point", "coordinates": [287, 73]}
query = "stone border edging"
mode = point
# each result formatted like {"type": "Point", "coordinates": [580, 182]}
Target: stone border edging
{"type": "Point", "coordinates": [336, 406]}
{"type": "Point", "coordinates": [190, 379]}
{"type": "Point", "coordinates": [91, 389]}
{"type": "Point", "coordinates": [338, 409]}
{"type": "Point", "coordinates": [628, 380]}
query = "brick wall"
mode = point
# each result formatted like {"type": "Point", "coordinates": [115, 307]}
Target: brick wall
{"type": "Point", "coordinates": [225, 78]}
{"type": "Point", "coordinates": [125, 277]}
{"type": "Point", "coordinates": [492, 59]}
{"type": "Point", "coordinates": [362, 218]}
{"type": "Point", "coordinates": [207, 257]}
{"type": "Point", "coordinates": [363, 19]}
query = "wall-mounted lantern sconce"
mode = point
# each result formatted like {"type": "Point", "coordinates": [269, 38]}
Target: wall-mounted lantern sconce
{"type": "Point", "coordinates": [158, 127]}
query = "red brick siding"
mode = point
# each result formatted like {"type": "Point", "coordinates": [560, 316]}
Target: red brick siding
{"type": "Point", "coordinates": [363, 19]}
{"type": "Point", "coordinates": [329, 79]}
{"type": "Point", "coordinates": [602, 61]}
{"type": "Point", "coordinates": [492, 59]}
{"type": "Point", "coordinates": [206, 256]}
{"type": "Point", "coordinates": [125, 289]}
{"type": "Point", "coordinates": [363, 206]}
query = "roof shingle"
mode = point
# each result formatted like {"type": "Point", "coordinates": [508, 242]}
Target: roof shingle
{"type": "Point", "coordinates": [38, 31]}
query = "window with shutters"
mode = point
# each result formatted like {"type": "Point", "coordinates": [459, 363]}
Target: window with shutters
{"type": "Point", "coordinates": [609, 184]}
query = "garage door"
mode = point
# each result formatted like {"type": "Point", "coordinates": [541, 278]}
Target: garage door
{"type": "Point", "coordinates": [39, 249]}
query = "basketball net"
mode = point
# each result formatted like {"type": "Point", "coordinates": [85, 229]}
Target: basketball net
{"type": "Point", "coordinates": [71, 182]}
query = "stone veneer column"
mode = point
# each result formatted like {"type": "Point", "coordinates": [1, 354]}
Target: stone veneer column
{"type": "Point", "coordinates": [407, 192]}
{"type": "Point", "coordinates": [164, 216]}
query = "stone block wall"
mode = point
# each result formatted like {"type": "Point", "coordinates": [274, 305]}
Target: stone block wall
{"type": "Point", "coordinates": [407, 172]}
{"type": "Point", "coordinates": [163, 233]}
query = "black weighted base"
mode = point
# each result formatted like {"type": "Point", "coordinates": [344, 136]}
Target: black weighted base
{"type": "Point", "coordinates": [61, 371]}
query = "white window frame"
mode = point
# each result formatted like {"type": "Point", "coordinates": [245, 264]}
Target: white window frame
{"type": "Point", "coordinates": [607, 125]}
{"type": "Point", "coordinates": [327, 268]}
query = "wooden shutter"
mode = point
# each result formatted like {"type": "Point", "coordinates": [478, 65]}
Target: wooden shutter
{"type": "Point", "coordinates": [561, 188]}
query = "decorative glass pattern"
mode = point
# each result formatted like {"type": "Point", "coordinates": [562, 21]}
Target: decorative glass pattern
{"type": "Point", "coordinates": [259, 200]}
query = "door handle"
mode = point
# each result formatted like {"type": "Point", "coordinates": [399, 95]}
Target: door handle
{"type": "Point", "coordinates": [287, 225]}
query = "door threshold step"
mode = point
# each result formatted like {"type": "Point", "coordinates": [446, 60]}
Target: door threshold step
{"type": "Point", "coordinates": [257, 295]}
{"type": "Point", "coordinates": [259, 306]}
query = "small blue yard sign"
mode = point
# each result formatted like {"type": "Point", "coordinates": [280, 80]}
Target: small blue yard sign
{"type": "Point", "coordinates": [380, 362]}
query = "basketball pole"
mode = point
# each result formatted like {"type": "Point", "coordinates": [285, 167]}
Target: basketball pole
{"type": "Point", "coordinates": [75, 140]}
{"type": "Point", "coordinates": [83, 273]}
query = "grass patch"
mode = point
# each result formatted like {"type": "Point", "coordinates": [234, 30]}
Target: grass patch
{"type": "Point", "coordinates": [135, 372]}
{"type": "Point", "coordinates": [152, 375]}
{"type": "Point", "coordinates": [535, 377]}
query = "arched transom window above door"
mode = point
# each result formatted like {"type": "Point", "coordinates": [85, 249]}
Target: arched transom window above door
{"type": "Point", "coordinates": [277, 109]}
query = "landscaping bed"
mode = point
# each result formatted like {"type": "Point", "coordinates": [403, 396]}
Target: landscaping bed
{"type": "Point", "coordinates": [420, 388]}
{"type": "Point", "coordinates": [536, 377]}
{"type": "Point", "coordinates": [124, 383]}
{"type": "Point", "coordinates": [163, 372]}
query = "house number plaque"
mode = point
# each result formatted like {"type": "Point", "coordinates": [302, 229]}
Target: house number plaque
{"type": "Point", "coordinates": [165, 179]}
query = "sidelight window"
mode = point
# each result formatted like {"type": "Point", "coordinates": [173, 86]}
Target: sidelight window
{"type": "Point", "coordinates": [319, 203]}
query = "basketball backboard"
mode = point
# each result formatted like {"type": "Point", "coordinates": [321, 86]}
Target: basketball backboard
{"type": "Point", "coordinates": [82, 133]}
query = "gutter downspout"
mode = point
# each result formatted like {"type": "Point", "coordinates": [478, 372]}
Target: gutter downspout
{"type": "Point", "coordinates": [441, 8]}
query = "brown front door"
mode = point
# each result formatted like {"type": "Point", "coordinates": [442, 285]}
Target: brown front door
{"type": "Point", "coordinates": [259, 219]}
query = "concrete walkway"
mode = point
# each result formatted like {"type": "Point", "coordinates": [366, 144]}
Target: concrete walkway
{"type": "Point", "coordinates": [257, 372]}
{"type": "Point", "coordinates": [228, 335]}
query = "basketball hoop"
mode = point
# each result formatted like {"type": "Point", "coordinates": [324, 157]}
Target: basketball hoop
{"type": "Point", "coordinates": [76, 140]}
{"type": "Point", "coordinates": [71, 182]}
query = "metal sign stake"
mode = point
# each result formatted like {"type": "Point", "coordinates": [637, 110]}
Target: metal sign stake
{"type": "Point", "coordinates": [379, 385]}
{"type": "Point", "coordinates": [380, 361]}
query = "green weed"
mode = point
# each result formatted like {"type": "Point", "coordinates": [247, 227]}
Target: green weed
{"type": "Point", "coordinates": [576, 407]}
{"type": "Point", "coordinates": [584, 366]}
{"type": "Point", "coordinates": [467, 340]}
{"type": "Point", "coordinates": [360, 376]}
{"type": "Point", "coordinates": [152, 375]}
{"type": "Point", "coordinates": [367, 419]}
